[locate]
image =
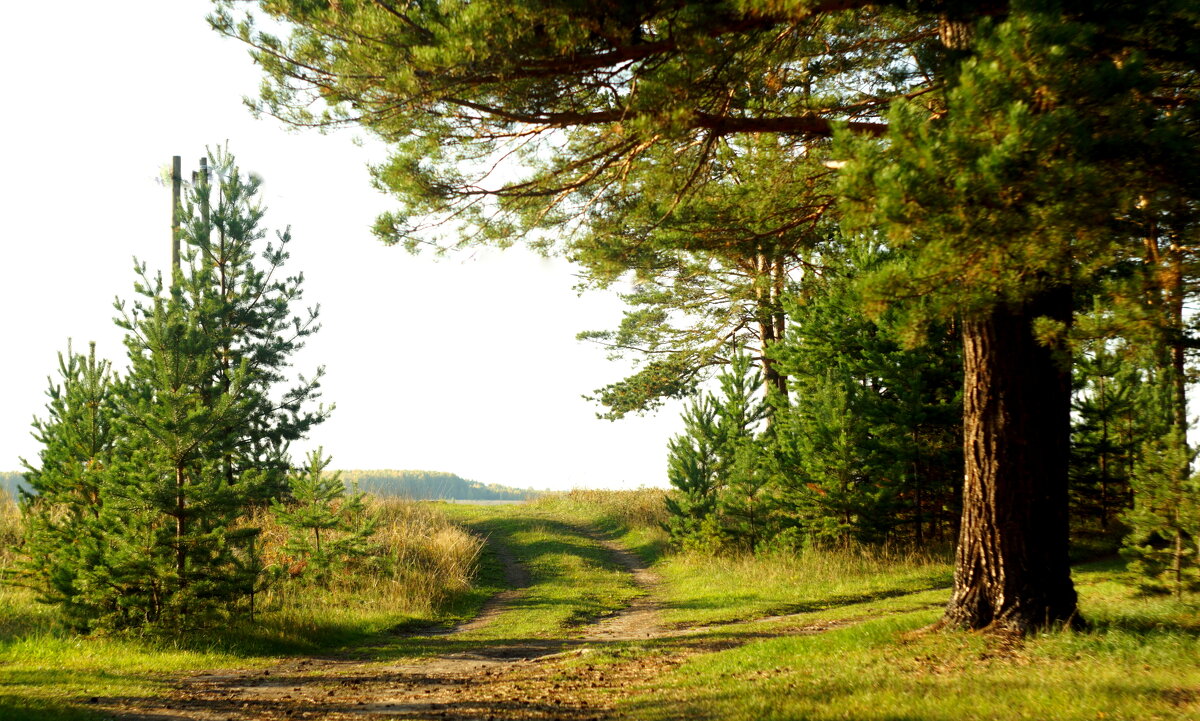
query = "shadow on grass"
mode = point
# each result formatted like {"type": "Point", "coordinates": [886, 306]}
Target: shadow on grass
{"type": "Point", "coordinates": [53, 693]}
{"type": "Point", "coordinates": [650, 551]}
{"type": "Point", "coordinates": [30, 709]}
{"type": "Point", "coordinates": [529, 552]}
{"type": "Point", "coordinates": [17, 623]}
{"type": "Point", "coordinates": [823, 604]}
{"type": "Point", "coordinates": [1150, 628]}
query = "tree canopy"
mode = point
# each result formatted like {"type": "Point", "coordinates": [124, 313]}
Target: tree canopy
{"type": "Point", "coordinates": [978, 140]}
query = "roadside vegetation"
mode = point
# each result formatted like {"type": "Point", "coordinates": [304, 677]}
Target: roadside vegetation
{"type": "Point", "coordinates": [877, 660]}
{"type": "Point", "coordinates": [421, 572]}
{"type": "Point", "coordinates": [814, 633]}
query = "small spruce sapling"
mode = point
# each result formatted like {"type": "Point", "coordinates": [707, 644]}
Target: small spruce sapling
{"type": "Point", "coordinates": [717, 501]}
{"type": "Point", "coordinates": [63, 503]}
{"type": "Point", "coordinates": [1165, 519]}
{"type": "Point", "coordinates": [692, 470]}
{"type": "Point", "coordinates": [328, 527]}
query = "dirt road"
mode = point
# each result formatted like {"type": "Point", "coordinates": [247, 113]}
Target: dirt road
{"type": "Point", "coordinates": [551, 678]}
{"type": "Point", "coordinates": [535, 679]}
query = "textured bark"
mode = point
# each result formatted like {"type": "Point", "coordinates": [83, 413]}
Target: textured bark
{"type": "Point", "coordinates": [1011, 567]}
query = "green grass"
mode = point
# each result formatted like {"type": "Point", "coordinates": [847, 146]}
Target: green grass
{"type": "Point", "coordinates": [702, 589]}
{"type": "Point", "coordinates": [854, 644]}
{"type": "Point", "coordinates": [47, 672]}
{"type": "Point", "coordinates": [573, 579]}
{"type": "Point", "coordinates": [51, 674]}
{"type": "Point", "coordinates": [1140, 660]}
{"type": "Point", "coordinates": [631, 518]}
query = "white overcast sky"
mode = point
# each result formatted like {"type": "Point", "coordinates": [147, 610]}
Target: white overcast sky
{"type": "Point", "coordinates": [467, 364]}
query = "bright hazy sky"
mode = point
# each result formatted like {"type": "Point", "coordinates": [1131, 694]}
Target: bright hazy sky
{"type": "Point", "coordinates": [467, 364]}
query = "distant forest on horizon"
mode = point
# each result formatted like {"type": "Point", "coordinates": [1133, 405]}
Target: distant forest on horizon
{"type": "Point", "coordinates": [417, 485]}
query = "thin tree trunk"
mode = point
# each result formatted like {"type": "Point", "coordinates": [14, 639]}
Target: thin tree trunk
{"type": "Point", "coordinates": [916, 477]}
{"type": "Point", "coordinates": [1177, 566]}
{"type": "Point", "coordinates": [769, 311]}
{"type": "Point", "coordinates": [1011, 566]}
{"type": "Point", "coordinates": [180, 526]}
{"type": "Point", "coordinates": [1103, 456]}
{"type": "Point", "coordinates": [1174, 292]}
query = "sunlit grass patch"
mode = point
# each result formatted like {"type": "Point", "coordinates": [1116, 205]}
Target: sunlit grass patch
{"type": "Point", "coordinates": [49, 673]}
{"type": "Point", "coordinates": [701, 588]}
{"type": "Point", "coordinates": [1139, 660]}
{"type": "Point", "coordinates": [634, 518]}
{"type": "Point", "coordinates": [573, 578]}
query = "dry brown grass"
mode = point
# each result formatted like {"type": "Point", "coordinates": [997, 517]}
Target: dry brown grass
{"type": "Point", "coordinates": [419, 560]}
{"type": "Point", "coordinates": [12, 528]}
{"type": "Point", "coordinates": [639, 509]}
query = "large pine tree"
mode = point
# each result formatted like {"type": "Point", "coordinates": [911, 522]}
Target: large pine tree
{"type": "Point", "coordinates": [1030, 104]}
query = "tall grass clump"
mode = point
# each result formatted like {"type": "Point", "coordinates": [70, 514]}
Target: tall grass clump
{"type": "Point", "coordinates": [627, 510]}
{"type": "Point", "coordinates": [417, 562]}
{"type": "Point", "coordinates": [417, 565]}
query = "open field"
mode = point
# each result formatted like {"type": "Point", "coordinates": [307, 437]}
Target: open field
{"type": "Point", "coordinates": [590, 618]}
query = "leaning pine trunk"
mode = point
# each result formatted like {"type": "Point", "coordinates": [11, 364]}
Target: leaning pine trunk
{"type": "Point", "coordinates": [1011, 567]}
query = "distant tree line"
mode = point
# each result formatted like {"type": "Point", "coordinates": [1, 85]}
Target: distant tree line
{"type": "Point", "coordinates": [432, 485]}
{"type": "Point", "coordinates": [415, 485]}
{"type": "Point", "coordinates": [11, 482]}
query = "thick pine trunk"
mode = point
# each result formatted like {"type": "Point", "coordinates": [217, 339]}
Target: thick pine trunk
{"type": "Point", "coordinates": [1011, 567]}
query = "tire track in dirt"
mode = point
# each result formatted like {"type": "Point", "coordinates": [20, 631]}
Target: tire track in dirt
{"type": "Point", "coordinates": [640, 619]}
{"type": "Point", "coordinates": [507, 681]}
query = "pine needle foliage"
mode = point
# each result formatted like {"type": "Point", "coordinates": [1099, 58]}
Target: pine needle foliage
{"type": "Point", "coordinates": [328, 528]}
{"type": "Point", "coordinates": [714, 466]}
{"type": "Point", "coordinates": [62, 503]}
{"type": "Point", "coordinates": [1163, 544]}
{"type": "Point", "coordinates": [142, 506]}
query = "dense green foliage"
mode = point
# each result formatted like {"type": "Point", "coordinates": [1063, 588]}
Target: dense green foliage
{"type": "Point", "coordinates": [714, 466]}
{"type": "Point", "coordinates": [871, 442]}
{"type": "Point", "coordinates": [318, 506]}
{"type": "Point", "coordinates": [141, 500]}
{"type": "Point", "coordinates": [864, 446]}
{"type": "Point", "coordinates": [686, 146]}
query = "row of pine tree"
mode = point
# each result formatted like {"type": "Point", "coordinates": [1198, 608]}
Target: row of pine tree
{"type": "Point", "coordinates": [862, 441]}
{"type": "Point", "coordinates": [142, 506]}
